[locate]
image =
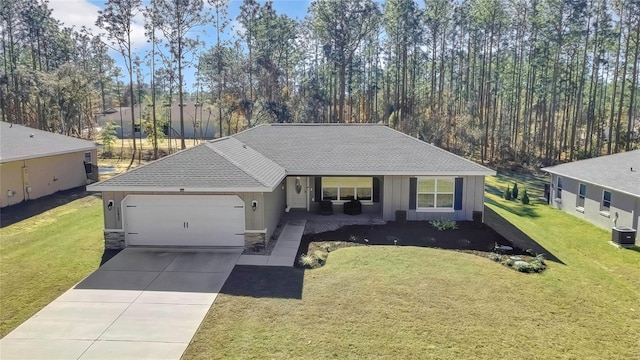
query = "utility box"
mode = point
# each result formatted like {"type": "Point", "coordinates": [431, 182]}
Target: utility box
{"type": "Point", "coordinates": [623, 236]}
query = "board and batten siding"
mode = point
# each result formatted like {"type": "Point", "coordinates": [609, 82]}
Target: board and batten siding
{"type": "Point", "coordinates": [626, 206]}
{"type": "Point", "coordinates": [274, 205]}
{"type": "Point", "coordinates": [397, 195]}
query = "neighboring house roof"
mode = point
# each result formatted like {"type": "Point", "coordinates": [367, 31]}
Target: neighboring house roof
{"type": "Point", "coordinates": [620, 172]}
{"type": "Point", "coordinates": [18, 142]}
{"type": "Point", "coordinates": [220, 165]}
{"type": "Point", "coordinates": [259, 158]}
{"type": "Point", "coordinates": [353, 149]}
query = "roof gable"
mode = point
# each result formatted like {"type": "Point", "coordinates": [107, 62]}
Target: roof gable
{"type": "Point", "coordinates": [248, 160]}
{"type": "Point", "coordinates": [18, 142]}
{"type": "Point", "coordinates": [221, 165]}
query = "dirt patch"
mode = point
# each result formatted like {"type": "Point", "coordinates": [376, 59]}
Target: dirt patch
{"type": "Point", "coordinates": [469, 237]}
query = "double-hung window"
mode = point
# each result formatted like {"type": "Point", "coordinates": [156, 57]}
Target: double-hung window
{"type": "Point", "coordinates": [582, 193]}
{"type": "Point", "coordinates": [605, 206]}
{"type": "Point", "coordinates": [435, 194]}
{"type": "Point", "coordinates": [559, 188]}
{"type": "Point", "coordinates": [347, 188]}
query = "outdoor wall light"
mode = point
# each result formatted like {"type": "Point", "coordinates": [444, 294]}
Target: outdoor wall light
{"type": "Point", "coordinates": [254, 205]}
{"type": "Point", "coordinates": [28, 189]}
{"type": "Point", "coordinates": [10, 193]}
{"type": "Point", "coordinates": [110, 205]}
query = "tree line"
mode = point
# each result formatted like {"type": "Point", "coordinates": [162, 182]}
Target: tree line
{"type": "Point", "coordinates": [531, 81]}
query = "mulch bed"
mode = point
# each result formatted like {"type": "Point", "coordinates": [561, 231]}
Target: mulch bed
{"type": "Point", "coordinates": [470, 237]}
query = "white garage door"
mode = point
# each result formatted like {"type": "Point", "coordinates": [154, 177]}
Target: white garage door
{"type": "Point", "coordinates": [184, 220]}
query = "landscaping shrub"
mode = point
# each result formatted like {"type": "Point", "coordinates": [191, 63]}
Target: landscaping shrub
{"type": "Point", "coordinates": [495, 257]}
{"type": "Point", "coordinates": [321, 257]}
{"type": "Point", "coordinates": [514, 191]}
{"type": "Point", "coordinates": [535, 265]}
{"type": "Point", "coordinates": [522, 266]}
{"type": "Point", "coordinates": [525, 197]}
{"type": "Point", "coordinates": [444, 224]}
{"type": "Point", "coordinates": [308, 261]}
{"type": "Point", "coordinates": [507, 193]}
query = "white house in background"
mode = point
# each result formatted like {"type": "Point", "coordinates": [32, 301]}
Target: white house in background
{"type": "Point", "coordinates": [233, 191]}
{"type": "Point", "coordinates": [604, 190]}
{"type": "Point", "coordinates": [36, 163]}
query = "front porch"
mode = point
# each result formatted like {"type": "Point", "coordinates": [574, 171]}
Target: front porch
{"type": "Point", "coordinates": [302, 214]}
{"type": "Point", "coordinates": [316, 223]}
{"type": "Point", "coordinates": [340, 198]}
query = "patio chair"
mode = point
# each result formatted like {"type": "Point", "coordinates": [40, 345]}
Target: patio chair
{"type": "Point", "coordinates": [326, 207]}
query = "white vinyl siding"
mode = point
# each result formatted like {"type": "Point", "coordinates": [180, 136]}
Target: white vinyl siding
{"type": "Point", "coordinates": [435, 193]}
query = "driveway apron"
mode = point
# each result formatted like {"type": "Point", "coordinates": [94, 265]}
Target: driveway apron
{"type": "Point", "coordinates": [141, 304]}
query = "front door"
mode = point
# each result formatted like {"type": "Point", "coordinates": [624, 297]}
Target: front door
{"type": "Point", "coordinates": [297, 192]}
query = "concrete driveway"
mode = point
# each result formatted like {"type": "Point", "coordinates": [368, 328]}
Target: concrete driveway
{"type": "Point", "coordinates": [141, 304]}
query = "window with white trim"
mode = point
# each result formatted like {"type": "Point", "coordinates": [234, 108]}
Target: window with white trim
{"type": "Point", "coordinates": [605, 205]}
{"type": "Point", "coordinates": [347, 188]}
{"type": "Point", "coordinates": [435, 194]}
{"type": "Point", "coordinates": [582, 193]}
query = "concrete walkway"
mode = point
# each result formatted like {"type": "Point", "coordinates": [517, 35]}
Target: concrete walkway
{"type": "Point", "coordinates": [142, 304]}
{"type": "Point", "coordinates": [284, 253]}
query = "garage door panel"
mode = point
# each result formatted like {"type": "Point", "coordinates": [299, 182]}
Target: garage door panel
{"type": "Point", "coordinates": [174, 220]}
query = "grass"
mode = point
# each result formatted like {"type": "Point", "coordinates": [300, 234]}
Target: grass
{"type": "Point", "coordinates": [406, 302]}
{"type": "Point", "coordinates": [42, 257]}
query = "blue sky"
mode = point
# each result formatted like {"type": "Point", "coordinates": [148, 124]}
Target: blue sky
{"type": "Point", "coordinates": [78, 13]}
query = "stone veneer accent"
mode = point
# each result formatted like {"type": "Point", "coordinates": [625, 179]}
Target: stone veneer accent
{"type": "Point", "coordinates": [253, 238]}
{"type": "Point", "coordinates": [113, 239]}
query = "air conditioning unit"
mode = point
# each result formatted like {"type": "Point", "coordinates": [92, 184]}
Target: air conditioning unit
{"type": "Point", "coordinates": [623, 236]}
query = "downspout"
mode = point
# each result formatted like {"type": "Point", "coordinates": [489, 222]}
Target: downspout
{"type": "Point", "coordinates": [25, 184]}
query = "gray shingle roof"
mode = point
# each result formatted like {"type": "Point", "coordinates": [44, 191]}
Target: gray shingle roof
{"type": "Point", "coordinates": [259, 158]}
{"type": "Point", "coordinates": [611, 171]}
{"type": "Point", "coordinates": [250, 161]}
{"type": "Point", "coordinates": [221, 165]}
{"type": "Point", "coordinates": [338, 149]}
{"type": "Point", "coordinates": [16, 143]}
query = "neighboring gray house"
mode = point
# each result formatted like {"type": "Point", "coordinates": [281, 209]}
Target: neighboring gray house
{"type": "Point", "coordinates": [199, 121]}
{"type": "Point", "coordinates": [604, 190]}
{"type": "Point", "coordinates": [233, 191]}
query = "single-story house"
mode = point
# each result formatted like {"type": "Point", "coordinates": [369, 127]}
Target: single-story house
{"type": "Point", "coordinates": [36, 163]}
{"type": "Point", "coordinates": [200, 122]}
{"type": "Point", "coordinates": [604, 190]}
{"type": "Point", "coordinates": [233, 191]}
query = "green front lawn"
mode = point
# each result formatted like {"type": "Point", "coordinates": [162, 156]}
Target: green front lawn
{"type": "Point", "coordinates": [42, 257]}
{"type": "Point", "coordinates": [406, 302]}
